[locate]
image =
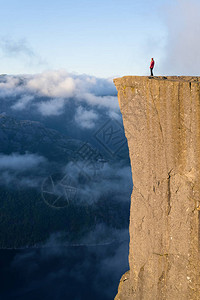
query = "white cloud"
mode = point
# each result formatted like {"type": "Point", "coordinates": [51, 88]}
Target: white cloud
{"type": "Point", "coordinates": [110, 180]}
{"type": "Point", "coordinates": [20, 162]}
{"type": "Point", "coordinates": [23, 102]}
{"type": "Point", "coordinates": [10, 86]}
{"type": "Point", "coordinates": [52, 84]}
{"type": "Point", "coordinates": [60, 84]}
{"type": "Point", "coordinates": [114, 115]}
{"type": "Point", "coordinates": [100, 101]}
{"type": "Point", "coordinates": [47, 94]}
{"type": "Point", "coordinates": [85, 118]}
{"type": "Point", "coordinates": [182, 56]}
{"type": "Point", "coordinates": [53, 107]}
{"type": "Point", "coordinates": [21, 170]}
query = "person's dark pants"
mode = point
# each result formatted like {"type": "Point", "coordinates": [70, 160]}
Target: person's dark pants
{"type": "Point", "coordinates": [151, 71]}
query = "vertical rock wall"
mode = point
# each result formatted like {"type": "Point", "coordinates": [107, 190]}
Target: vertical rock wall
{"type": "Point", "coordinates": [161, 117]}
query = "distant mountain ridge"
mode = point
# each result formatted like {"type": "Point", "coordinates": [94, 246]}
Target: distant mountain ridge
{"type": "Point", "coordinates": [25, 135]}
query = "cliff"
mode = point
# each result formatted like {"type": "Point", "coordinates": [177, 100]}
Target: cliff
{"type": "Point", "coordinates": [161, 117]}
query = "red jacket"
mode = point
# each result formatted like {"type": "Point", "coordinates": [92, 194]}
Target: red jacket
{"type": "Point", "coordinates": [152, 64]}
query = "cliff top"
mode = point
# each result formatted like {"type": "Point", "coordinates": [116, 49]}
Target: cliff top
{"type": "Point", "coordinates": [131, 79]}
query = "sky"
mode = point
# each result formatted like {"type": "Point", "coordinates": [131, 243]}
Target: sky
{"type": "Point", "coordinates": [106, 38]}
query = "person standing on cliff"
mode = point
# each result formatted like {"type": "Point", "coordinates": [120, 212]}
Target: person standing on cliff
{"type": "Point", "coordinates": [152, 66]}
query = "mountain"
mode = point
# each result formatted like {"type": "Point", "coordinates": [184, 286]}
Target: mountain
{"type": "Point", "coordinates": [32, 136]}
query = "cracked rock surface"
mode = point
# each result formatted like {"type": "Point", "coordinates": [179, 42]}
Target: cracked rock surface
{"type": "Point", "coordinates": [161, 117]}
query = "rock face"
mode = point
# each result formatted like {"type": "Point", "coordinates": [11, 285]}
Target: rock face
{"type": "Point", "coordinates": [161, 118]}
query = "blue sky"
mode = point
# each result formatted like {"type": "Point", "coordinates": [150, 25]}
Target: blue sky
{"type": "Point", "coordinates": [104, 38]}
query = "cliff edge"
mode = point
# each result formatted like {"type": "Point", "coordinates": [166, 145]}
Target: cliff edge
{"type": "Point", "coordinates": [161, 117]}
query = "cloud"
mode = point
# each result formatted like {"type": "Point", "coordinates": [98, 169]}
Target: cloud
{"type": "Point", "coordinates": [52, 84]}
{"type": "Point", "coordinates": [21, 170]}
{"type": "Point", "coordinates": [85, 118]}
{"type": "Point", "coordinates": [100, 101]}
{"type": "Point", "coordinates": [23, 102]}
{"type": "Point", "coordinates": [53, 107]}
{"type": "Point", "coordinates": [13, 48]}
{"type": "Point", "coordinates": [60, 84]}
{"type": "Point", "coordinates": [92, 90]}
{"type": "Point", "coordinates": [10, 86]}
{"type": "Point", "coordinates": [79, 101]}
{"type": "Point", "coordinates": [102, 234]}
{"type": "Point", "coordinates": [114, 115]}
{"type": "Point", "coordinates": [20, 163]}
{"type": "Point", "coordinates": [100, 181]}
{"type": "Point", "coordinates": [95, 270]}
{"type": "Point", "coordinates": [12, 180]}
{"type": "Point", "coordinates": [182, 55]}
{"type": "Point", "coordinates": [101, 256]}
